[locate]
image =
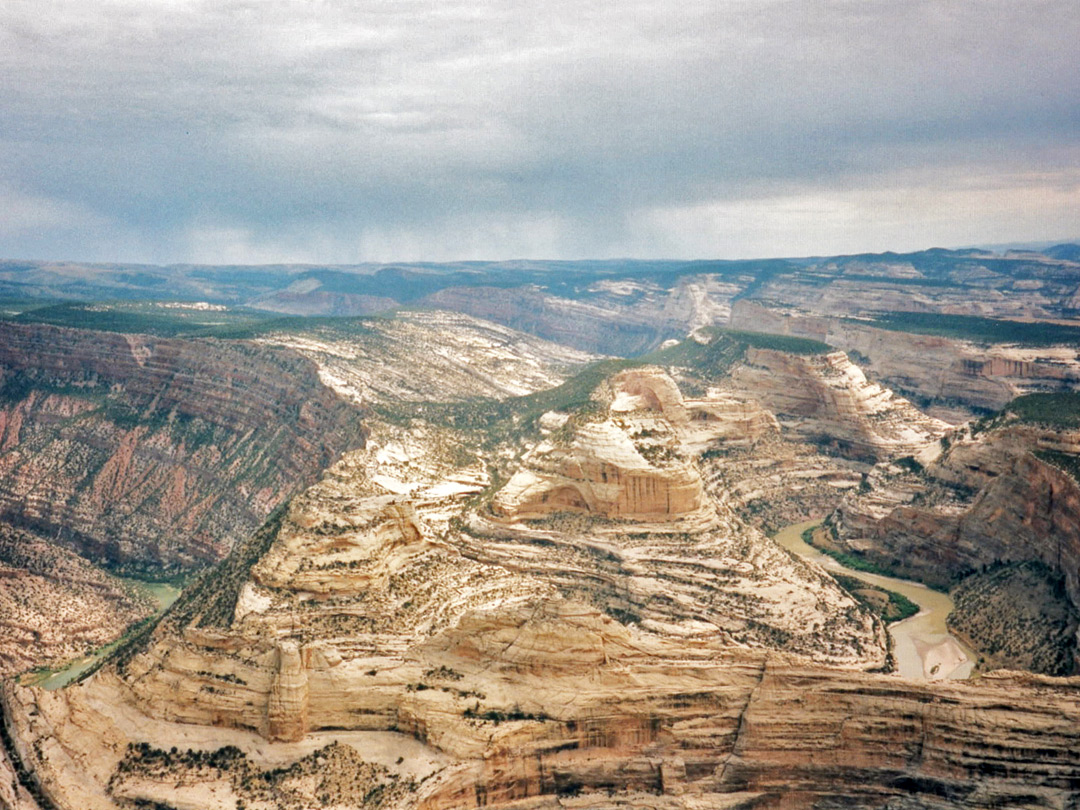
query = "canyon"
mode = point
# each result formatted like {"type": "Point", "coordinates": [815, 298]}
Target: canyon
{"type": "Point", "coordinates": [437, 561]}
{"type": "Point", "coordinates": [1002, 493]}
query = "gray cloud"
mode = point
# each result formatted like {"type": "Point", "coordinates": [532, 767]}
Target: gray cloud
{"type": "Point", "coordinates": [336, 131]}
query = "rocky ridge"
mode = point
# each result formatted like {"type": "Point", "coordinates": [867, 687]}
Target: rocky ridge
{"type": "Point", "coordinates": [957, 376]}
{"type": "Point", "coordinates": [1000, 494]}
{"type": "Point", "coordinates": [828, 398]}
{"type": "Point", "coordinates": [624, 317]}
{"type": "Point", "coordinates": [430, 355]}
{"type": "Point", "coordinates": [152, 452]}
{"type": "Point", "coordinates": [567, 652]}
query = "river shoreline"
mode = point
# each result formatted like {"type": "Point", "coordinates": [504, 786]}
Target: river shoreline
{"type": "Point", "coordinates": [923, 646]}
{"type": "Point", "coordinates": [163, 593]}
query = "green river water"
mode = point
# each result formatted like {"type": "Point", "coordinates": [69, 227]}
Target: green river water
{"type": "Point", "coordinates": [163, 593]}
{"type": "Point", "coordinates": [922, 644]}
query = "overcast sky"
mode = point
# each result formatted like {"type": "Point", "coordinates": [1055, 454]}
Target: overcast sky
{"type": "Point", "coordinates": [324, 131]}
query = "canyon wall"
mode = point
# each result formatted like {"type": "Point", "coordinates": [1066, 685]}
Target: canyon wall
{"type": "Point", "coordinates": [931, 368]}
{"type": "Point", "coordinates": [828, 399]}
{"type": "Point", "coordinates": [157, 453]}
{"type": "Point", "coordinates": [990, 499]}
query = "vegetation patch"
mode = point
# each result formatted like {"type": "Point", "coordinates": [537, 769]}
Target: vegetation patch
{"type": "Point", "coordinates": [889, 605]}
{"type": "Point", "coordinates": [854, 560]}
{"type": "Point", "coordinates": [333, 776]}
{"type": "Point", "coordinates": [1018, 616]}
{"type": "Point", "coordinates": [497, 716]}
{"type": "Point", "coordinates": [779, 343]}
{"type": "Point", "coordinates": [1061, 411]}
{"type": "Point", "coordinates": [1066, 462]}
{"type": "Point", "coordinates": [979, 330]}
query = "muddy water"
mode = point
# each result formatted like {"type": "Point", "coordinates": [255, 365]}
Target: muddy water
{"type": "Point", "coordinates": [162, 592]}
{"type": "Point", "coordinates": [922, 644]}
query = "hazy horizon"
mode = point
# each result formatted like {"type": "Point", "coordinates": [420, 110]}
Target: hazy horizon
{"type": "Point", "coordinates": [144, 131]}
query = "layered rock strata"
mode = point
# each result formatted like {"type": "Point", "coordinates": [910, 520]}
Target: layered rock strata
{"type": "Point", "coordinates": [828, 399]}
{"type": "Point", "coordinates": [940, 370]}
{"type": "Point", "coordinates": [624, 317]}
{"type": "Point", "coordinates": [430, 355]}
{"type": "Point", "coordinates": [614, 654]}
{"type": "Point", "coordinates": [155, 452]}
{"type": "Point", "coordinates": [613, 726]}
{"type": "Point", "coordinates": [987, 499]}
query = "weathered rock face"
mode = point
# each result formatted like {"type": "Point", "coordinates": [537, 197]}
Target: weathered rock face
{"type": "Point", "coordinates": [572, 323]}
{"type": "Point", "coordinates": [986, 500]}
{"type": "Point", "coordinates": [601, 473]}
{"type": "Point", "coordinates": [157, 453]}
{"type": "Point", "coordinates": [431, 355]}
{"type": "Point", "coordinates": [624, 317]}
{"type": "Point", "coordinates": [633, 465]}
{"type": "Point", "coordinates": [679, 661]}
{"type": "Point", "coordinates": [932, 369]}
{"type": "Point", "coordinates": [54, 606]}
{"type": "Point", "coordinates": [287, 704]}
{"type": "Point", "coordinates": [826, 398]}
{"type": "Point", "coordinates": [741, 731]}
{"type": "Point", "coordinates": [734, 420]}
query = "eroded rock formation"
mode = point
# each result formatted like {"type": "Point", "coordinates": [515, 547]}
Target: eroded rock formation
{"type": "Point", "coordinates": [153, 452]}
{"type": "Point", "coordinates": [598, 651]}
{"type": "Point", "coordinates": [994, 497]}
{"type": "Point", "coordinates": [827, 398]}
{"type": "Point", "coordinates": [958, 376]}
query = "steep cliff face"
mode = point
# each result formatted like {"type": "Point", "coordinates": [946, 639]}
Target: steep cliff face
{"type": "Point", "coordinates": [579, 324]}
{"type": "Point", "coordinates": [611, 727]}
{"type": "Point", "coordinates": [623, 317]}
{"type": "Point", "coordinates": [157, 453]}
{"type": "Point", "coordinates": [401, 632]}
{"type": "Point", "coordinates": [603, 473]}
{"type": "Point", "coordinates": [1002, 496]}
{"type": "Point", "coordinates": [828, 399]}
{"type": "Point", "coordinates": [361, 613]}
{"type": "Point", "coordinates": [931, 368]}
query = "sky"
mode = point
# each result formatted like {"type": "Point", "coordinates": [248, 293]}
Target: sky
{"type": "Point", "coordinates": [236, 131]}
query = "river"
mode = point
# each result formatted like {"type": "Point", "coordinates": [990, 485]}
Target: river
{"type": "Point", "coordinates": [922, 644]}
{"type": "Point", "coordinates": [163, 593]}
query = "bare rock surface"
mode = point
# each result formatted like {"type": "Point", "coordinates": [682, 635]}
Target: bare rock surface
{"type": "Point", "coordinates": [1004, 494]}
{"type": "Point", "coordinates": [828, 398]}
{"type": "Point", "coordinates": [432, 355]}
{"type": "Point", "coordinates": [950, 372]}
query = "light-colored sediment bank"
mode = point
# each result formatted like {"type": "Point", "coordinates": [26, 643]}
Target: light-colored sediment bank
{"type": "Point", "coordinates": [922, 644]}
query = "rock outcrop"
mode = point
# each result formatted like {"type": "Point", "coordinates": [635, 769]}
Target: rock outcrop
{"type": "Point", "coordinates": [602, 473]}
{"type": "Point", "coordinates": [828, 399]}
{"type": "Point", "coordinates": [625, 729]}
{"type": "Point", "coordinates": [612, 648]}
{"type": "Point", "coordinates": [1003, 495]}
{"type": "Point", "coordinates": [633, 465]}
{"type": "Point", "coordinates": [157, 453]}
{"type": "Point", "coordinates": [430, 355]}
{"type": "Point", "coordinates": [958, 377]}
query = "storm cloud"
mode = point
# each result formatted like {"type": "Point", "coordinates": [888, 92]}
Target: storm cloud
{"type": "Point", "coordinates": [231, 131]}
